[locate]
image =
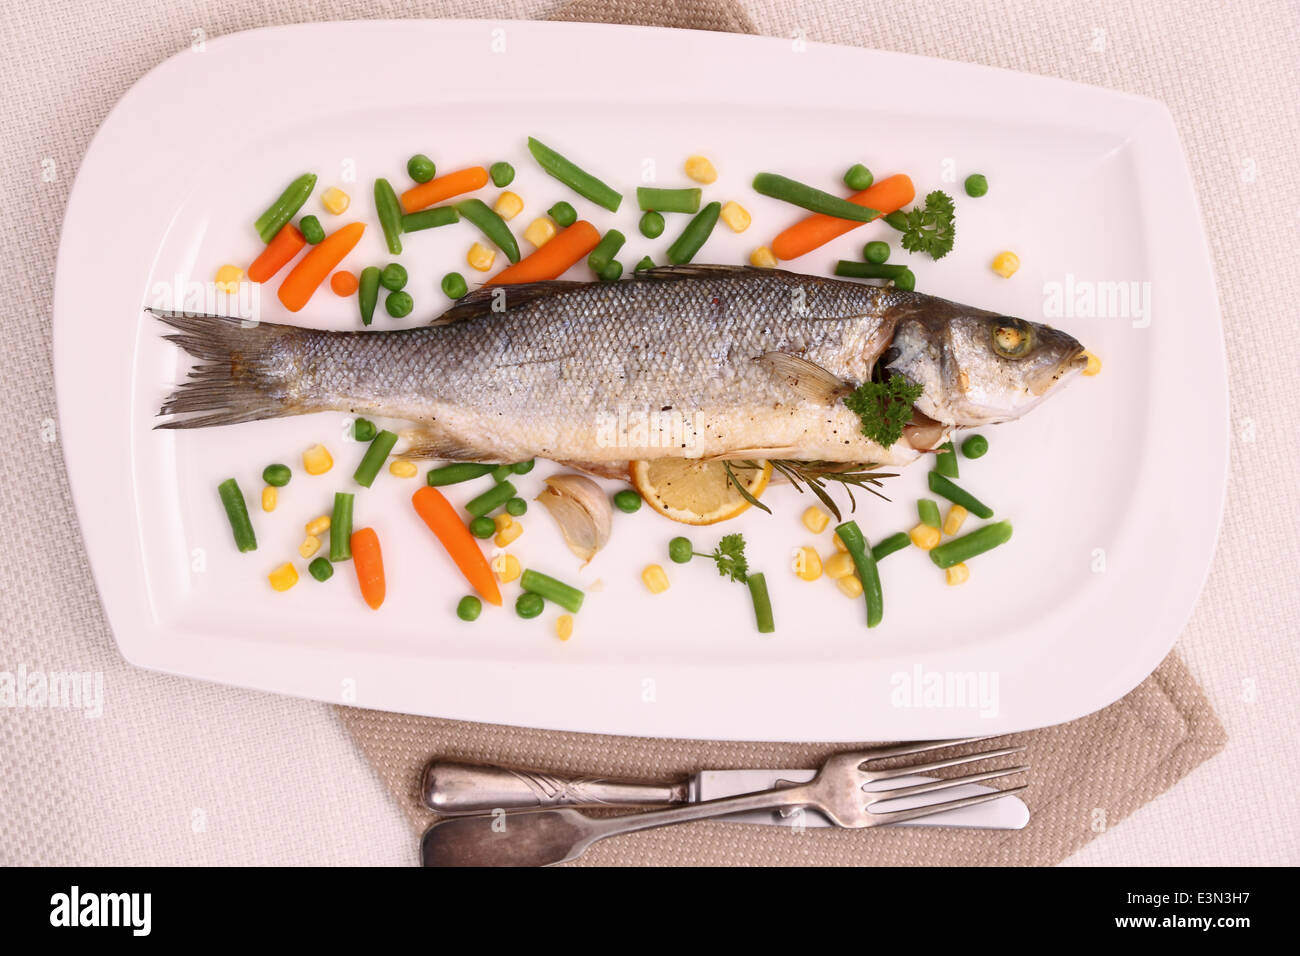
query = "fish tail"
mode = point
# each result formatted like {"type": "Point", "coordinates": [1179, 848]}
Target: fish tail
{"type": "Point", "coordinates": [242, 374]}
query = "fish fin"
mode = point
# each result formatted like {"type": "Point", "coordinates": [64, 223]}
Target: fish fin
{"type": "Point", "coordinates": [695, 270]}
{"type": "Point", "coordinates": [427, 441]}
{"type": "Point", "coordinates": [239, 377]}
{"type": "Point", "coordinates": [500, 298]}
{"type": "Point", "coordinates": [754, 454]}
{"type": "Point", "coordinates": [599, 469]}
{"type": "Point", "coordinates": [809, 379]}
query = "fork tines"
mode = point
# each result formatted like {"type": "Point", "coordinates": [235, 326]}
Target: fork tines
{"type": "Point", "coordinates": [879, 799]}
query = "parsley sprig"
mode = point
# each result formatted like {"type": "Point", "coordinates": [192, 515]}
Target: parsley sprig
{"type": "Point", "coordinates": [884, 408]}
{"type": "Point", "coordinates": [929, 229]}
{"type": "Point", "coordinates": [729, 556]}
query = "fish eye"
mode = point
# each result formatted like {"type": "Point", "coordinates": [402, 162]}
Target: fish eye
{"type": "Point", "coordinates": [1012, 338]}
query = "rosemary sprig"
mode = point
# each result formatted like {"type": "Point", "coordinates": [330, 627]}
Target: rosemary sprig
{"type": "Point", "coordinates": [739, 486]}
{"type": "Point", "coordinates": [813, 475]}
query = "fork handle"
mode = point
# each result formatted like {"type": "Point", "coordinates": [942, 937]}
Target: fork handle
{"type": "Point", "coordinates": [452, 788]}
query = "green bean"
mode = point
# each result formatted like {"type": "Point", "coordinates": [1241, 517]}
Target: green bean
{"type": "Point", "coordinates": [368, 293]}
{"type": "Point", "coordinates": [563, 213]}
{"type": "Point", "coordinates": [680, 550]}
{"type": "Point", "coordinates": [491, 225]}
{"type": "Point", "coordinates": [430, 218]}
{"type": "Point", "coordinates": [645, 263]}
{"type": "Point", "coordinates": [421, 168]}
{"type": "Point", "coordinates": [876, 251]}
{"type": "Point", "coordinates": [524, 467]}
{"type": "Point", "coordinates": [457, 472]}
{"type": "Point", "coordinates": [929, 512]}
{"type": "Point", "coordinates": [399, 304]}
{"type": "Point", "coordinates": [612, 272]}
{"type": "Point", "coordinates": [959, 496]}
{"type": "Point", "coordinates": [311, 229]}
{"type": "Point", "coordinates": [580, 181]}
{"type": "Point", "coordinates": [627, 501]}
{"type": "Point", "coordinates": [363, 429]}
{"type": "Point", "coordinates": [976, 446]}
{"type": "Point", "coordinates": [393, 277]}
{"type": "Point", "coordinates": [516, 507]}
{"type": "Point", "coordinates": [285, 207]}
{"type": "Point", "coordinates": [321, 569]}
{"type": "Point", "coordinates": [800, 194]}
{"type": "Point", "coordinates": [341, 527]}
{"type": "Point", "coordinates": [669, 200]}
{"type": "Point", "coordinates": [976, 185]}
{"type": "Point", "coordinates": [374, 458]}
{"type": "Point", "coordinates": [503, 174]}
{"type": "Point", "coordinates": [895, 542]}
{"type": "Point", "coordinates": [454, 286]}
{"type": "Point", "coordinates": [501, 472]}
{"type": "Point", "coordinates": [232, 499]}
{"type": "Point", "coordinates": [469, 608]}
{"type": "Point", "coordinates": [969, 545]}
{"type": "Point", "coordinates": [762, 602]}
{"type": "Point", "coordinates": [529, 605]}
{"type": "Point", "coordinates": [852, 269]}
{"type": "Point", "coordinates": [606, 250]}
{"type": "Point", "coordinates": [651, 225]}
{"type": "Point", "coordinates": [858, 177]}
{"type": "Point", "coordinates": [277, 476]}
{"type": "Point", "coordinates": [695, 234]}
{"type": "Point", "coordinates": [483, 527]}
{"type": "Point", "coordinates": [945, 461]}
{"type": "Point", "coordinates": [390, 215]}
{"type": "Point", "coordinates": [491, 499]}
{"type": "Point", "coordinates": [856, 545]}
{"type": "Point", "coordinates": [557, 592]}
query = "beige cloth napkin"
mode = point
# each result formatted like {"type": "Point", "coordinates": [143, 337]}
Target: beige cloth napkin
{"type": "Point", "coordinates": [1086, 776]}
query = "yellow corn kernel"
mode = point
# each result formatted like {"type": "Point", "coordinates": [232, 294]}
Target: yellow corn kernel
{"type": "Point", "coordinates": [401, 468]}
{"type": "Point", "coordinates": [317, 460]}
{"type": "Point", "coordinates": [700, 169]}
{"type": "Point", "coordinates": [925, 537]}
{"type": "Point", "coordinates": [839, 545]}
{"type": "Point", "coordinates": [955, 518]}
{"type": "Point", "coordinates": [763, 258]}
{"type": "Point", "coordinates": [310, 545]}
{"type": "Point", "coordinates": [815, 520]}
{"type": "Point", "coordinates": [958, 573]}
{"type": "Point", "coordinates": [335, 201]}
{"type": "Point", "coordinates": [283, 577]}
{"type": "Point", "coordinates": [850, 586]}
{"type": "Point", "coordinates": [318, 526]}
{"type": "Point", "coordinates": [807, 564]}
{"type": "Point", "coordinates": [270, 498]}
{"type": "Point", "coordinates": [564, 627]}
{"type": "Point", "coordinates": [540, 231]}
{"type": "Point", "coordinates": [508, 205]}
{"type": "Point", "coordinates": [480, 257]}
{"type": "Point", "coordinates": [509, 534]}
{"type": "Point", "coordinates": [503, 521]}
{"type": "Point", "coordinates": [839, 565]}
{"type": "Point", "coordinates": [1006, 264]}
{"type": "Point", "coordinates": [1093, 366]}
{"type": "Point", "coordinates": [228, 279]}
{"type": "Point", "coordinates": [655, 579]}
{"type": "Point", "coordinates": [736, 216]}
{"type": "Point", "coordinates": [506, 567]}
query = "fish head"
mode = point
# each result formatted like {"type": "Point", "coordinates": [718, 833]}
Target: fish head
{"type": "Point", "coordinates": [979, 368]}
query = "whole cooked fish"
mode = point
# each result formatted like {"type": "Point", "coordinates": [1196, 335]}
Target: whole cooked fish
{"type": "Point", "coordinates": [692, 361]}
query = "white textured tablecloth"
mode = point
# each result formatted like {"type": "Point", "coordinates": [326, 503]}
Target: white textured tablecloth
{"type": "Point", "coordinates": [181, 772]}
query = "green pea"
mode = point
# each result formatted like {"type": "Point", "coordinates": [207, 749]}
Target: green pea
{"type": "Point", "coordinates": [612, 272]}
{"type": "Point", "coordinates": [503, 174]}
{"type": "Point", "coordinates": [563, 213]}
{"type": "Point", "coordinates": [876, 251]}
{"type": "Point", "coordinates": [483, 527]}
{"type": "Point", "coordinates": [399, 304]}
{"type": "Point", "coordinates": [453, 285]}
{"type": "Point", "coordinates": [363, 429]}
{"type": "Point", "coordinates": [976, 446]}
{"type": "Point", "coordinates": [277, 476]}
{"type": "Point", "coordinates": [516, 507]}
{"type": "Point", "coordinates": [311, 229]}
{"type": "Point", "coordinates": [530, 604]}
{"type": "Point", "coordinates": [469, 608]}
{"type": "Point", "coordinates": [680, 550]}
{"type": "Point", "coordinates": [906, 281]}
{"type": "Point", "coordinates": [652, 225]}
{"type": "Point", "coordinates": [421, 168]}
{"type": "Point", "coordinates": [393, 277]}
{"type": "Point", "coordinates": [523, 467]}
{"type": "Point", "coordinates": [976, 185]}
{"type": "Point", "coordinates": [858, 177]}
{"type": "Point", "coordinates": [628, 501]}
{"type": "Point", "coordinates": [321, 569]}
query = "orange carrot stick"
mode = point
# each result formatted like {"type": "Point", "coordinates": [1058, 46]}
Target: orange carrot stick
{"type": "Point", "coordinates": [888, 195]}
{"type": "Point", "coordinates": [284, 245]}
{"type": "Point", "coordinates": [443, 188]}
{"type": "Point", "coordinates": [442, 519]}
{"type": "Point", "coordinates": [569, 247]}
{"type": "Point", "coordinates": [306, 277]}
{"type": "Point", "coordinates": [369, 562]}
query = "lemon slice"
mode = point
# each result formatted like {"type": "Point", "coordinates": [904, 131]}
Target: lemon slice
{"type": "Point", "coordinates": [695, 491]}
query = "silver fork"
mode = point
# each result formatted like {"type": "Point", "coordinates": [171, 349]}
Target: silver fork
{"type": "Point", "coordinates": [547, 837]}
